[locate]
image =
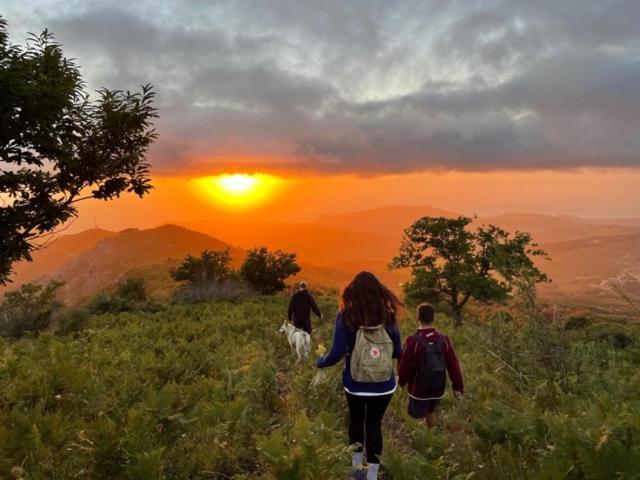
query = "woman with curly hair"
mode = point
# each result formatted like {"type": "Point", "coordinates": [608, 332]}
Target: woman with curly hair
{"type": "Point", "coordinates": [366, 335]}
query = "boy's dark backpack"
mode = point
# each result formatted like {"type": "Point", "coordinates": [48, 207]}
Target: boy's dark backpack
{"type": "Point", "coordinates": [431, 373]}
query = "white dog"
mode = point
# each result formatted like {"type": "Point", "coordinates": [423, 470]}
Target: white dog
{"type": "Point", "coordinates": [299, 340]}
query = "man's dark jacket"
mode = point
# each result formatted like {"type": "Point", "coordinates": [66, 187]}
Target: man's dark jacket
{"type": "Point", "coordinates": [300, 307]}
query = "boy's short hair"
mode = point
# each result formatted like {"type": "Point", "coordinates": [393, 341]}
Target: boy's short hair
{"type": "Point", "coordinates": [426, 313]}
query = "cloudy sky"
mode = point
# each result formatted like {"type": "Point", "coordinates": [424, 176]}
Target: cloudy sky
{"type": "Point", "coordinates": [369, 88]}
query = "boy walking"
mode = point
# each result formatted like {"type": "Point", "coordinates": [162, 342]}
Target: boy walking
{"type": "Point", "coordinates": [426, 357]}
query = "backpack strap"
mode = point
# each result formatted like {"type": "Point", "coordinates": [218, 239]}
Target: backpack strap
{"type": "Point", "coordinates": [376, 327]}
{"type": "Point", "coordinates": [414, 361]}
{"type": "Point", "coordinates": [419, 340]}
{"type": "Point", "coordinates": [442, 340]}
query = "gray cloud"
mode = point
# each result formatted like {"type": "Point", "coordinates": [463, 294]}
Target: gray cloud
{"type": "Point", "coordinates": [369, 87]}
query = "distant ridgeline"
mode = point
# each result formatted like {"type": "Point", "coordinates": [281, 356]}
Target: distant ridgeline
{"type": "Point", "coordinates": [332, 248]}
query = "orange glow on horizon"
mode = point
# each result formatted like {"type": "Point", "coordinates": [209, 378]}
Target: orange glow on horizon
{"type": "Point", "coordinates": [239, 190]}
{"type": "Point", "coordinates": [291, 198]}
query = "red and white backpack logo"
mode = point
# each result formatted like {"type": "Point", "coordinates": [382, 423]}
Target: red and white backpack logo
{"type": "Point", "coordinates": [374, 352]}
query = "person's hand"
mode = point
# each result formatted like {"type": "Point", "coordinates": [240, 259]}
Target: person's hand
{"type": "Point", "coordinates": [457, 394]}
{"type": "Point", "coordinates": [320, 378]}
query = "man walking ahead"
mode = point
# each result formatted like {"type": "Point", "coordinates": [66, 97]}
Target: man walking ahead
{"type": "Point", "coordinates": [300, 307]}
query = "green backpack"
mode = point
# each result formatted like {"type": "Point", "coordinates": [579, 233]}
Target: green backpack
{"type": "Point", "coordinates": [372, 356]}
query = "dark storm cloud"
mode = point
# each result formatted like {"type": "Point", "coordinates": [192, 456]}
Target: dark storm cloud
{"type": "Point", "coordinates": [372, 87]}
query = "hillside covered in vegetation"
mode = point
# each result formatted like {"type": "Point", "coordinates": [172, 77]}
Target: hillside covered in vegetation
{"type": "Point", "coordinates": [209, 391]}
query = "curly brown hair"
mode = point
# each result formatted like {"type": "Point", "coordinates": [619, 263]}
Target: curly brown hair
{"type": "Point", "coordinates": [367, 302]}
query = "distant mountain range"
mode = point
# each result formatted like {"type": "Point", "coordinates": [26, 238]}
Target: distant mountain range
{"type": "Point", "coordinates": [552, 228]}
{"type": "Point", "coordinates": [390, 220]}
{"type": "Point", "coordinates": [587, 255]}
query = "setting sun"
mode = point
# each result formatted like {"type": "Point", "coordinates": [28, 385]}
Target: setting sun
{"type": "Point", "coordinates": [239, 184]}
{"type": "Point", "coordinates": [239, 190]}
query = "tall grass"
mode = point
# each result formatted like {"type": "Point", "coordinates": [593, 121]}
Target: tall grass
{"type": "Point", "coordinates": [209, 391]}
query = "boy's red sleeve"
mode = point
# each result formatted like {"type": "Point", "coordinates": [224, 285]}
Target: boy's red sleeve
{"type": "Point", "coordinates": [405, 364]}
{"type": "Point", "coordinates": [453, 367]}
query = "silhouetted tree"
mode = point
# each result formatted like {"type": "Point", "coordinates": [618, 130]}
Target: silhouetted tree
{"type": "Point", "coordinates": [59, 147]}
{"type": "Point", "coordinates": [451, 263]}
{"type": "Point", "coordinates": [209, 267]}
{"type": "Point", "coordinates": [266, 271]}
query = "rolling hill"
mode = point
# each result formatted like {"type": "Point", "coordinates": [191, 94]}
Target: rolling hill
{"type": "Point", "coordinates": [111, 258]}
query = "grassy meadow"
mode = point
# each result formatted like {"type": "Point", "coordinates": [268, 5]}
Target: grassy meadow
{"type": "Point", "coordinates": [209, 391]}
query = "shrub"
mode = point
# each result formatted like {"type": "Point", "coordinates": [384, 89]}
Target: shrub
{"type": "Point", "coordinates": [266, 271]}
{"type": "Point", "coordinates": [533, 349]}
{"type": "Point", "coordinates": [29, 309]}
{"type": "Point", "coordinates": [100, 303]}
{"type": "Point", "coordinates": [210, 267]}
{"type": "Point", "coordinates": [577, 323]}
{"type": "Point", "coordinates": [74, 321]}
{"type": "Point", "coordinates": [617, 339]}
{"type": "Point", "coordinates": [499, 316]}
{"type": "Point", "coordinates": [304, 449]}
{"type": "Point", "coordinates": [209, 277]}
{"type": "Point", "coordinates": [129, 295]}
{"type": "Point", "coordinates": [614, 334]}
{"type": "Point", "coordinates": [232, 289]}
{"type": "Point", "coordinates": [131, 291]}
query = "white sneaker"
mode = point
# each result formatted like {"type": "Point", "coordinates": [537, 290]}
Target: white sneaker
{"type": "Point", "coordinates": [372, 471]}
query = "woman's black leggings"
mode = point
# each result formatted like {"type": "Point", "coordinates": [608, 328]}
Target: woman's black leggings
{"type": "Point", "coordinates": [365, 423]}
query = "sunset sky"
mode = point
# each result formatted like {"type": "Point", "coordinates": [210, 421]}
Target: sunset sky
{"type": "Point", "coordinates": [478, 107]}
